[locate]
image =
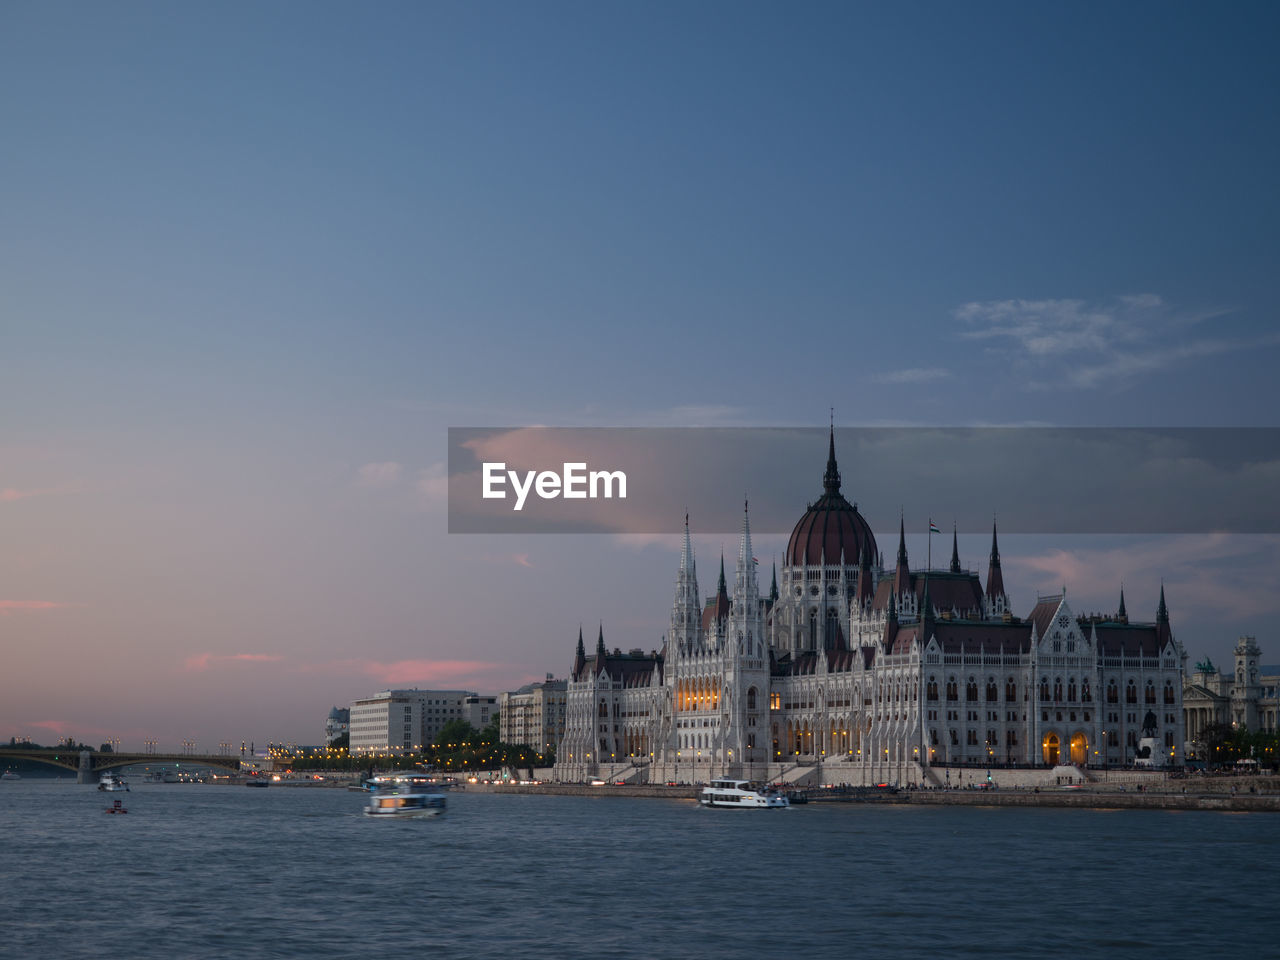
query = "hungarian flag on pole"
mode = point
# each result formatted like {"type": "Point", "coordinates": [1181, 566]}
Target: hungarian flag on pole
{"type": "Point", "coordinates": [933, 527]}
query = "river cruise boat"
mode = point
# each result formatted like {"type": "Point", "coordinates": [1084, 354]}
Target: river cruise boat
{"type": "Point", "coordinates": [740, 795]}
{"type": "Point", "coordinates": [10, 775]}
{"type": "Point", "coordinates": [403, 797]}
{"type": "Point", "coordinates": [113, 783]}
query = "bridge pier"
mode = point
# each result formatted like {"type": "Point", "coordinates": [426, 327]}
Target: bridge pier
{"type": "Point", "coordinates": [85, 773]}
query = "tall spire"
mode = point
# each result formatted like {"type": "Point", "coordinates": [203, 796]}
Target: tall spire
{"type": "Point", "coordinates": [579, 657]}
{"type": "Point", "coordinates": [746, 590]}
{"type": "Point", "coordinates": [955, 551]}
{"type": "Point", "coordinates": [831, 479]}
{"type": "Point", "coordinates": [773, 587]}
{"type": "Point", "coordinates": [686, 553]}
{"type": "Point", "coordinates": [721, 589]}
{"type": "Point", "coordinates": [600, 652]}
{"type": "Point", "coordinates": [902, 577]}
{"type": "Point", "coordinates": [995, 579]}
{"type": "Point", "coordinates": [1164, 635]}
{"type": "Point", "coordinates": [1123, 614]}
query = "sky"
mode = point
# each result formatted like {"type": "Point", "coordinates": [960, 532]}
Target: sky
{"type": "Point", "coordinates": [256, 259]}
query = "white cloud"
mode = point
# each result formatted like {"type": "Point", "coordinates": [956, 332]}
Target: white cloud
{"type": "Point", "coordinates": [912, 375]}
{"type": "Point", "coordinates": [1074, 343]}
{"type": "Point", "coordinates": [379, 475]}
{"type": "Point", "coordinates": [433, 483]}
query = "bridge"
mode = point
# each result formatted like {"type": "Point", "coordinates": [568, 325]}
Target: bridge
{"type": "Point", "coordinates": [88, 764]}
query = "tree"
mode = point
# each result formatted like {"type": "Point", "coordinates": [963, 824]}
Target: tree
{"type": "Point", "coordinates": [457, 732]}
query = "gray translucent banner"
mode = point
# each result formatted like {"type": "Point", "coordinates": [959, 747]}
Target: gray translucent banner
{"type": "Point", "coordinates": [1036, 480]}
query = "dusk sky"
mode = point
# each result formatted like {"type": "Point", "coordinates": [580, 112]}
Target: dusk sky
{"type": "Point", "coordinates": [256, 259]}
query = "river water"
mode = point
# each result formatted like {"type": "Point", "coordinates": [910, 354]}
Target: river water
{"type": "Point", "coordinates": [214, 871]}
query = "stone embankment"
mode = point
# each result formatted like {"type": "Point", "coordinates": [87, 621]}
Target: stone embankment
{"type": "Point", "coordinates": [1210, 794]}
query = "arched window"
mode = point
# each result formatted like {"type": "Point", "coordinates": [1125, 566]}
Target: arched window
{"type": "Point", "coordinates": [1086, 694]}
{"type": "Point", "coordinates": [1168, 691]}
{"type": "Point", "coordinates": [1131, 693]}
{"type": "Point", "coordinates": [1151, 692]}
{"type": "Point", "coordinates": [953, 689]}
{"type": "Point", "coordinates": [751, 699]}
{"type": "Point", "coordinates": [1010, 691]}
{"type": "Point", "coordinates": [604, 708]}
{"type": "Point", "coordinates": [1071, 690]}
{"type": "Point", "coordinates": [1113, 692]}
{"type": "Point", "coordinates": [1057, 690]}
{"type": "Point", "coordinates": [931, 689]}
{"type": "Point", "coordinates": [993, 692]}
{"type": "Point", "coordinates": [1044, 688]}
{"type": "Point", "coordinates": [971, 690]}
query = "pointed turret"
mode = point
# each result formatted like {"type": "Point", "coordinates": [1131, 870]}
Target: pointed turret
{"type": "Point", "coordinates": [745, 587]}
{"type": "Point", "coordinates": [995, 579]}
{"type": "Point", "coordinates": [831, 479]}
{"type": "Point", "coordinates": [1122, 614]}
{"type": "Point", "coordinates": [866, 589]}
{"type": "Point", "coordinates": [687, 565]}
{"type": "Point", "coordinates": [580, 656]}
{"type": "Point", "coordinates": [1163, 632]}
{"type": "Point", "coordinates": [955, 551]}
{"type": "Point", "coordinates": [773, 587]}
{"type": "Point", "coordinates": [721, 589]}
{"type": "Point", "coordinates": [686, 610]}
{"type": "Point", "coordinates": [890, 622]}
{"type": "Point", "coordinates": [902, 577]}
{"type": "Point", "coordinates": [600, 652]}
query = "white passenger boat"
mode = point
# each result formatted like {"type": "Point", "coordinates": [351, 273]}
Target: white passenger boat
{"type": "Point", "coordinates": [405, 796]}
{"type": "Point", "coordinates": [112, 782]}
{"type": "Point", "coordinates": [740, 795]}
{"type": "Point", "coordinates": [10, 775]}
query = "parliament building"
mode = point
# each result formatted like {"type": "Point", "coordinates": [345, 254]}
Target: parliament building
{"type": "Point", "coordinates": [870, 673]}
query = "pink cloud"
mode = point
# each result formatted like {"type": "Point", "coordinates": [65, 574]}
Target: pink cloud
{"type": "Point", "coordinates": [7, 605]}
{"type": "Point", "coordinates": [203, 661]}
{"type": "Point", "coordinates": [10, 494]}
{"type": "Point", "coordinates": [60, 727]}
{"type": "Point", "coordinates": [1226, 576]}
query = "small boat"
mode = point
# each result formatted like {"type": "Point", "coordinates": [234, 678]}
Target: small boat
{"type": "Point", "coordinates": [113, 783]}
{"type": "Point", "coordinates": [257, 782]}
{"type": "Point", "coordinates": [741, 795]}
{"type": "Point", "coordinates": [117, 807]}
{"type": "Point", "coordinates": [10, 775]}
{"type": "Point", "coordinates": [406, 796]}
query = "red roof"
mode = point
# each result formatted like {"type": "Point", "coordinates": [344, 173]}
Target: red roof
{"type": "Point", "coordinates": [830, 529]}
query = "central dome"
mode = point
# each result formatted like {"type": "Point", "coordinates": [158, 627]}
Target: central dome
{"type": "Point", "coordinates": [832, 527]}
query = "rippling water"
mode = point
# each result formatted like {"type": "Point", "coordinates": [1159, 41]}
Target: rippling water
{"type": "Point", "coordinates": [206, 871]}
